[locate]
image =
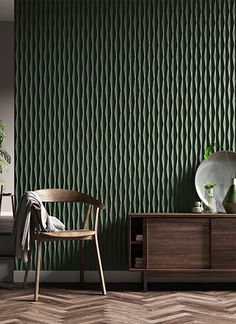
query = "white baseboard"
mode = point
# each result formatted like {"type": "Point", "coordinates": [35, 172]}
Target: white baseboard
{"type": "Point", "coordinates": [73, 276]}
{"type": "Point", "coordinates": [110, 276]}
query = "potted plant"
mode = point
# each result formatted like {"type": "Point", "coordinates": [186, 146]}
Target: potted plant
{"type": "Point", "coordinates": [5, 158]}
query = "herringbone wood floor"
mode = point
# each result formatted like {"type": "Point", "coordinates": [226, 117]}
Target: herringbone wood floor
{"type": "Point", "coordinates": [163, 303]}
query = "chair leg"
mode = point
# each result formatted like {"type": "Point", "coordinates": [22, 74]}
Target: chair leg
{"type": "Point", "coordinates": [39, 251]}
{"type": "Point", "coordinates": [81, 262]}
{"type": "Point", "coordinates": [100, 266]}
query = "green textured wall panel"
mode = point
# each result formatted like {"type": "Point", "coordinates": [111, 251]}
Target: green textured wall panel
{"type": "Point", "coordinates": [118, 99]}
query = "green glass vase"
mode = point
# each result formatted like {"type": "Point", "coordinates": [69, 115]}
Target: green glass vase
{"type": "Point", "coordinates": [229, 201]}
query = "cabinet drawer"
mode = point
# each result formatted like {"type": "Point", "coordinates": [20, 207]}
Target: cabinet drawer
{"type": "Point", "coordinates": [178, 243]}
{"type": "Point", "coordinates": [6, 245]}
{"type": "Point", "coordinates": [223, 243]}
{"type": "Point", "coordinates": [6, 269]}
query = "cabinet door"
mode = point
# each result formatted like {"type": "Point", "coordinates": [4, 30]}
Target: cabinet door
{"type": "Point", "coordinates": [223, 243]}
{"type": "Point", "coordinates": [178, 243]}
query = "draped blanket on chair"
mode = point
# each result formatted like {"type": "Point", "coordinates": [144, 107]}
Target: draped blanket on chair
{"type": "Point", "coordinates": [21, 228]}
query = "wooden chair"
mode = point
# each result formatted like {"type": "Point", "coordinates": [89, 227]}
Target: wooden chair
{"type": "Point", "coordinates": [82, 234]}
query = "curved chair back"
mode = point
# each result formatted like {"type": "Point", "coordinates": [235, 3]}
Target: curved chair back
{"type": "Point", "coordinates": [66, 195]}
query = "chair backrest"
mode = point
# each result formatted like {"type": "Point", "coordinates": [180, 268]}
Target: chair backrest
{"type": "Point", "coordinates": [66, 195]}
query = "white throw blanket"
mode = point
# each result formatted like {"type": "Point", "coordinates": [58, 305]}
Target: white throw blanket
{"type": "Point", "coordinates": [21, 228]}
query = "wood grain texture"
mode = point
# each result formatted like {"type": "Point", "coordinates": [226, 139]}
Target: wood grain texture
{"type": "Point", "coordinates": [175, 243]}
{"type": "Point", "coordinates": [163, 303]}
{"type": "Point", "coordinates": [175, 246]}
{"type": "Point", "coordinates": [189, 215]}
{"type": "Point", "coordinates": [69, 235]}
{"type": "Point", "coordinates": [39, 234]}
{"type": "Point", "coordinates": [65, 195]}
{"type": "Point", "coordinates": [6, 224]}
{"type": "Point", "coordinates": [193, 273]}
{"type": "Point", "coordinates": [223, 245]}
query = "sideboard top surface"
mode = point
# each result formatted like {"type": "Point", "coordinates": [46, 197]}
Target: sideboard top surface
{"type": "Point", "coordinates": [196, 215]}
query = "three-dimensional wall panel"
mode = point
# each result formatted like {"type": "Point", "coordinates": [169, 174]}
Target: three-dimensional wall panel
{"type": "Point", "coordinates": [118, 99]}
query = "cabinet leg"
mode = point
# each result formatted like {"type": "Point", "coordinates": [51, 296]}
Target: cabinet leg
{"type": "Point", "coordinates": [144, 280]}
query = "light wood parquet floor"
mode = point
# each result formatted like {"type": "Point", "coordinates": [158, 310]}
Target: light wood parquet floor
{"type": "Point", "coordinates": [125, 303]}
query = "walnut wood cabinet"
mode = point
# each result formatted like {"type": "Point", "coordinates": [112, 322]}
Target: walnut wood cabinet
{"type": "Point", "coordinates": [182, 244]}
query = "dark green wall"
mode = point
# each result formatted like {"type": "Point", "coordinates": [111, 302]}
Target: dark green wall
{"type": "Point", "coordinates": [118, 99]}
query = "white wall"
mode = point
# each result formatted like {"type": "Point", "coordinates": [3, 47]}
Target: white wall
{"type": "Point", "coordinates": [7, 103]}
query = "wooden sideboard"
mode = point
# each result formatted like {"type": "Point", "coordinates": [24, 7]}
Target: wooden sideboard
{"type": "Point", "coordinates": [182, 245]}
{"type": "Point", "coordinates": [7, 250]}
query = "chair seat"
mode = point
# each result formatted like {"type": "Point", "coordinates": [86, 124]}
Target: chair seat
{"type": "Point", "coordinates": [69, 234]}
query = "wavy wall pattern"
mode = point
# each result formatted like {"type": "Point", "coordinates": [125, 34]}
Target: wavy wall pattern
{"type": "Point", "coordinates": [118, 99]}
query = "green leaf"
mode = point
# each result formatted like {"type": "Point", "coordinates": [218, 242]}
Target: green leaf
{"type": "Point", "coordinates": [209, 185]}
{"type": "Point", "coordinates": [2, 131]}
{"type": "Point", "coordinates": [3, 165]}
{"type": "Point", "coordinates": [5, 155]}
{"type": "Point", "coordinates": [208, 151]}
{"type": "Point", "coordinates": [6, 158]}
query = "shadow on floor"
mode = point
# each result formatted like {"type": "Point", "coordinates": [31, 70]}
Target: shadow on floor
{"type": "Point", "coordinates": [180, 286]}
